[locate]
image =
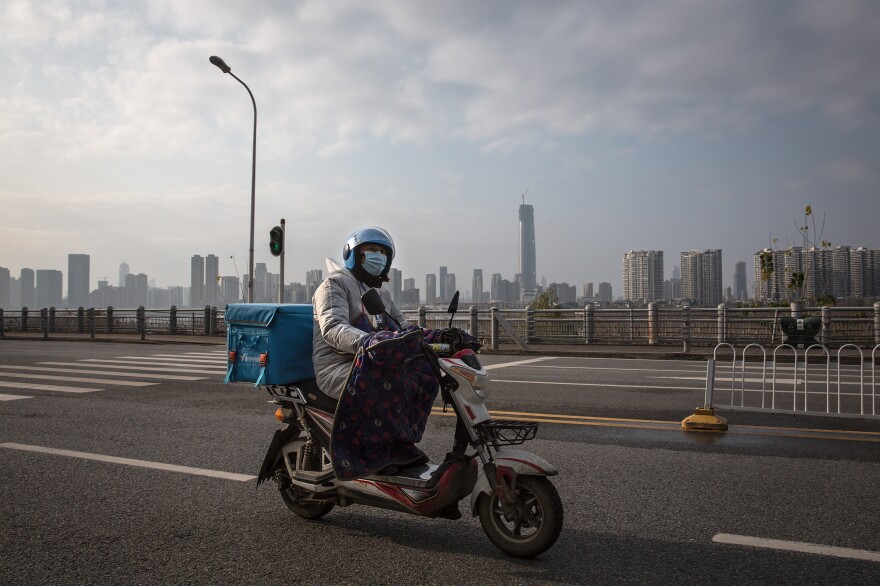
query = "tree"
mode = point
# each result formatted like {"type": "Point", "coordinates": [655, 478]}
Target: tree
{"type": "Point", "coordinates": [546, 300]}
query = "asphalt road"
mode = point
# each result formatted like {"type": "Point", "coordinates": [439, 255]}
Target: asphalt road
{"type": "Point", "coordinates": [645, 502]}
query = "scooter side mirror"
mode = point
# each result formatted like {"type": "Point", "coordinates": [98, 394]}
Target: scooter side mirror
{"type": "Point", "coordinates": [373, 302]}
{"type": "Point", "coordinates": [453, 305]}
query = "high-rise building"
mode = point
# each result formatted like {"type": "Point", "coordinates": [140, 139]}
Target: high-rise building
{"type": "Point", "coordinates": [701, 277]}
{"type": "Point", "coordinates": [262, 293]}
{"type": "Point", "coordinates": [450, 287]}
{"type": "Point", "coordinates": [314, 277]}
{"type": "Point", "coordinates": [740, 288]}
{"type": "Point", "coordinates": [28, 288]}
{"type": "Point", "coordinates": [49, 286]}
{"type": "Point", "coordinates": [230, 290]}
{"type": "Point", "coordinates": [77, 280]}
{"type": "Point", "coordinates": [441, 285]}
{"type": "Point", "coordinates": [196, 281]}
{"type": "Point", "coordinates": [395, 284]}
{"type": "Point", "coordinates": [841, 268]}
{"type": "Point", "coordinates": [212, 277]}
{"type": "Point", "coordinates": [430, 289]}
{"type": "Point", "coordinates": [477, 286]}
{"type": "Point", "coordinates": [605, 292]}
{"type": "Point", "coordinates": [527, 265]}
{"type": "Point", "coordinates": [588, 290]}
{"type": "Point", "coordinates": [4, 288]}
{"type": "Point", "coordinates": [123, 270]}
{"type": "Point", "coordinates": [643, 275]}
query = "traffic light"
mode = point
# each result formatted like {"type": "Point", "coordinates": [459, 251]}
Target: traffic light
{"type": "Point", "coordinates": [276, 241]}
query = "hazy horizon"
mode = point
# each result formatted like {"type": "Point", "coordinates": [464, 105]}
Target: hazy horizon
{"type": "Point", "coordinates": [633, 126]}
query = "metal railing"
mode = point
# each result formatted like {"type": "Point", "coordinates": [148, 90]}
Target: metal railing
{"type": "Point", "coordinates": [829, 387]}
{"type": "Point", "coordinates": [680, 326]}
{"type": "Point", "coordinates": [140, 321]}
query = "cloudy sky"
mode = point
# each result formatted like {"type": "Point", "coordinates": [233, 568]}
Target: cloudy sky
{"type": "Point", "coordinates": [633, 125]}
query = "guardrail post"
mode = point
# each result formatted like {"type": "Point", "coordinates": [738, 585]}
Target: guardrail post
{"type": "Point", "coordinates": [685, 328]}
{"type": "Point", "coordinates": [80, 319]}
{"type": "Point", "coordinates": [493, 339]}
{"type": "Point", "coordinates": [207, 324]}
{"type": "Point", "coordinates": [877, 322]}
{"type": "Point", "coordinates": [475, 322]}
{"type": "Point", "coordinates": [704, 417]}
{"type": "Point", "coordinates": [142, 322]}
{"type": "Point", "coordinates": [51, 319]}
{"type": "Point", "coordinates": [530, 324]}
{"type": "Point", "coordinates": [91, 318]}
{"type": "Point", "coordinates": [826, 326]}
{"type": "Point", "coordinates": [589, 323]}
{"type": "Point", "coordinates": [172, 320]}
{"type": "Point", "coordinates": [24, 319]}
{"type": "Point", "coordinates": [423, 319]}
{"type": "Point", "coordinates": [653, 324]}
{"type": "Point", "coordinates": [213, 329]}
{"type": "Point", "coordinates": [2, 329]}
{"type": "Point", "coordinates": [109, 319]}
{"type": "Point", "coordinates": [722, 323]}
{"type": "Point", "coordinates": [44, 322]}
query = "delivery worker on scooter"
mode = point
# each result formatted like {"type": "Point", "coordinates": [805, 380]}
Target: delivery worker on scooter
{"type": "Point", "coordinates": [341, 321]}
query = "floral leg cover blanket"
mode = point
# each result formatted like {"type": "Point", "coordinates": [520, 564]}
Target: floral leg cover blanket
{"type": "Point", "coordinates": [385, 405]}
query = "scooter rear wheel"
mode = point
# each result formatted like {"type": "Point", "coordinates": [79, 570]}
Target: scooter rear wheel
{"type": "Point", "coordinates": [535, 524]}
{"type": "Point", "coordinates": [294, 502]}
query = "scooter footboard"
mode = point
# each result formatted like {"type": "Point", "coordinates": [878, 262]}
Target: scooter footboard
{"type": "Point", "coordinates": [519, 462]}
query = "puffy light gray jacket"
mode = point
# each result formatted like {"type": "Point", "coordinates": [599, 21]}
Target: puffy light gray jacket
{"type": "Point", "coordinates": [337, 303]}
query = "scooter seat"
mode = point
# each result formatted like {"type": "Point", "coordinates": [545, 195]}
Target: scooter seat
{"type": "Point", "coordinates": [316, 398]}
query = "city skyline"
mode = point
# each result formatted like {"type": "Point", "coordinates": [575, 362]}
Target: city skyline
{"type": "Point", "coordinates": [630, 127]}
{"type": "Point", "coordinates": [697, 277]}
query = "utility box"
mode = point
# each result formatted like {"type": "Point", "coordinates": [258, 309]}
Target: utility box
{"type": "Point", "coordinates": [269, 343]}
{"type": "Point", "coordinates": [800, 332]}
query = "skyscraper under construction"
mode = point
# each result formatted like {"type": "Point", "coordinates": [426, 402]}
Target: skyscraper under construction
{"type": "Point", "coordinates": [527, 251]}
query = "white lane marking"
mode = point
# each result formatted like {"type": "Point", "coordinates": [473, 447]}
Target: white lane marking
{"type": "Point", "coordinates": [138, 366]}
{"type": "Point", "coordinates": [105, 373]}
{"type": "Point", "coordinates": [13, 397]}
{"type": "Point", "coordinates": [697, 369]}
{"type": "Point", "coordinates": [35, 387]}
{"type": "Point", "coordinates": [130, 462]}
{"type": "Point", "coordinates": [214, 353]}
{"type": "Point", "coordinates": [78, 379]}
{"type": "Point", "coordinates": [798, 546]}
{"type": "Point", "coordinates": [535, 382]}
{"type": "Point", "coordinates": [519, 362]}
{"type": "Point", "coordinates": [174, 358]}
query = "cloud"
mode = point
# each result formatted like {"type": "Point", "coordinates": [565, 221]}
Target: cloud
{"type": "Point", "coordinates": [123, 79]}
{"type": "Point", "coordinates": [850, 171]}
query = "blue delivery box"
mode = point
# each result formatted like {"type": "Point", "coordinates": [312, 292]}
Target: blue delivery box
{"type": "Point", "coordinates": [269, 343]}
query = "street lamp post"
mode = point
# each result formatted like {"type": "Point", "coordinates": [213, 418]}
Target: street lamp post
{"type": "Point", "coordinates": [221, 65]}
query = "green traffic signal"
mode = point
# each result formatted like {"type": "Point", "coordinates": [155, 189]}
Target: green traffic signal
{"type": "Point", "coordinates": [276, 241]}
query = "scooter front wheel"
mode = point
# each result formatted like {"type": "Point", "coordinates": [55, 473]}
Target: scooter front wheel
{"type": "Point", "coordinates": [535, 523]}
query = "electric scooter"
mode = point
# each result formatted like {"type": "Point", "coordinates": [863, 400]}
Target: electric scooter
{"type": "Point", "coordinates": [519, 508]}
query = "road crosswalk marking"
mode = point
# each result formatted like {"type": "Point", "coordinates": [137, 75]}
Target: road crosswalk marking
{"type": "Point", "coordinates": [106, 373]}
{"type": "Point", "coordinates": [13, 397]}
{"type": "Point", "coordinates": [138, 365]}
{"type": "Point", "coordinates": [144, 366]}
{"type": "Point", "coordinates": [36, 387]}
{"type": "Point", "coordinates": [174, 358]}
{"type": "Point", "coordinates": [118, 383]}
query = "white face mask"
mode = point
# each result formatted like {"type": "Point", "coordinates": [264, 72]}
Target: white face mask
{"type": "Point", "coordinates": [374, 263]}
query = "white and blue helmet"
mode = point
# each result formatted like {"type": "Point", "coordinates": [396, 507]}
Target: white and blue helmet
{"type": "Point", "coordinates": [371, 234]}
